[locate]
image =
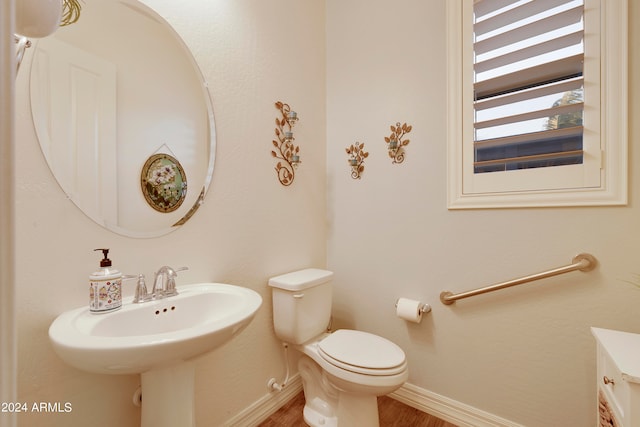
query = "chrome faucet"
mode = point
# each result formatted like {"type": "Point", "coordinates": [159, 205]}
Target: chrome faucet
{"type": "Point", "coordinates": [164, 283]}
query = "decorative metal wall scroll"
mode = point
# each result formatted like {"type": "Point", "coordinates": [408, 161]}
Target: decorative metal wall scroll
{"type": "Point", "coordinates": [396, 143]}
{"type": "Point", "coordinates": [164, 183]}
{"type": "Point", "coordinates": [356, 159]}
{"type": "Point", "coordinates": [285, 150]}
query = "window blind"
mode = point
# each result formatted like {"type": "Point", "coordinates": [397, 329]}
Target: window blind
{"type": "Point", "coordinates": [528, 84]}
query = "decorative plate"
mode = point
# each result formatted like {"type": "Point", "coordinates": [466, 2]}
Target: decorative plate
{"type": "Point", "coordinates": [164, 183]}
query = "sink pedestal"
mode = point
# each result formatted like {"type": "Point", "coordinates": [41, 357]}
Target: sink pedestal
{"type": "Point", "coordinates": [168, 396]}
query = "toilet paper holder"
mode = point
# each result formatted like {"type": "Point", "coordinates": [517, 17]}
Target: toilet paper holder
{"type": "Point", "coordinates": [423, 307]}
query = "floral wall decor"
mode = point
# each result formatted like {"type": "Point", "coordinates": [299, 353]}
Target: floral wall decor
{"type": "Point", "coordinates": [356, 159]}
{"type": "Point", "coordinates": [396, 142]}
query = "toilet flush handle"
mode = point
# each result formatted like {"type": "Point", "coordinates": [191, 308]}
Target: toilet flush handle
{"type": "Point", "coordinates": [298, 296]}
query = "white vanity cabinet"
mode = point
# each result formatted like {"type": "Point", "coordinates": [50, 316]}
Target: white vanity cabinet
{"type": "Point", "coordinates": [618, 378]}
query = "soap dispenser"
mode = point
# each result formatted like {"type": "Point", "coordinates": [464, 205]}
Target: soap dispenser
{"type": "Point", "coordinates": [105, 287]}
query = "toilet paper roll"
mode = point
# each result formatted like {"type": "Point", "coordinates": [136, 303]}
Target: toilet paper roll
{"type": "Point", "coordinates": [409, 309]}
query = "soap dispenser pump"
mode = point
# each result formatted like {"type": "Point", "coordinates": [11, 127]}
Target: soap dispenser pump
{"type": "Point", "coordinates": [105, 287]}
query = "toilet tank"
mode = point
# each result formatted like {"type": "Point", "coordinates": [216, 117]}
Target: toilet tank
{"type": "Point", "coordinates": [301, 304]}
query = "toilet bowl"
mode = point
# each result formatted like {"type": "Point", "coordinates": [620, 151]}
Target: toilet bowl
{"type": "Point", "coordinates": [349, 369]}
{"type": "Point", "coordinates": [342, 372]}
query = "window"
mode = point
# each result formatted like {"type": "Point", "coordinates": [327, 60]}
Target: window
{"type": "Point", "coordinates": [537, 103]}
{"type": "Point", "coordinates": [528, 84]}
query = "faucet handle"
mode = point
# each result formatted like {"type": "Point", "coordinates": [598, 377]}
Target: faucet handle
{"type": "Point", "coordinates": [141, 294]}
{"type": "Point", "coordinates": [171, 281]}
{"type": "Point", "coordinates": [172, 272]}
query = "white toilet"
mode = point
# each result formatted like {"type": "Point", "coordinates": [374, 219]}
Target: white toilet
{"type": "Point", "coordinates": [342, 372]}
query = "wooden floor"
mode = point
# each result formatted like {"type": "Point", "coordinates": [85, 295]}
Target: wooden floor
{"type": "Point", "coordinates": [392, 414]}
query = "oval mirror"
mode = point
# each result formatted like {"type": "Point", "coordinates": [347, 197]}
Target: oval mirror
{"type": "Point", "coordinates": [112, 94]}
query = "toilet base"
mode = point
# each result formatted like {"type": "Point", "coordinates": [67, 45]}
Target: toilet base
{"type": "Point", "coordinates": [317, 419]}
{"type": "Point", "coordinates": [329, 406]}
{"type": "Point", "coordinates": [358, 410]}
{"type": "Point", "coordinates": [353, 411]}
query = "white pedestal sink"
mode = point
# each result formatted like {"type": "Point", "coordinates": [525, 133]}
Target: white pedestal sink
{"type": "Point", "coordinates": [159, 340]}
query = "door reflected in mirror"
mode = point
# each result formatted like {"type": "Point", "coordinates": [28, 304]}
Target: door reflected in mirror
{"type": "Point", "coordinates": [108, 93]}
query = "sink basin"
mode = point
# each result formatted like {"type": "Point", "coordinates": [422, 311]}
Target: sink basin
{"type": "Point", "coordinates": [141, 337]}
{"type": "Point", "coordinates": [157, 340]}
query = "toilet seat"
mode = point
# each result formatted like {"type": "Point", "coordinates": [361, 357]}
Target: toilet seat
{"type": "Point", "coordinates": [363, 353]}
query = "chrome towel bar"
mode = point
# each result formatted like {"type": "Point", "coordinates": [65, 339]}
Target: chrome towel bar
{"type": "Point", "coordinates": [582, 262]}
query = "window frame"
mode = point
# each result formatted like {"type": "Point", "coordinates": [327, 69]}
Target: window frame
{"type": "Point", "coordinates": [467, 190]}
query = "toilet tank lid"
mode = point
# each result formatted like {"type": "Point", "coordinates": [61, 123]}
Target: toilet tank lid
{"type": "Point", "coordinates": [299, 280]}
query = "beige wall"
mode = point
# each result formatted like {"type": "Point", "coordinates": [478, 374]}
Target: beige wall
{"type": "Point", "coordinates": [252, 53]}
{"type": "Point", "coordinates": [524, 354]}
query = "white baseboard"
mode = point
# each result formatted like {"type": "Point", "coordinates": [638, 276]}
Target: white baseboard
{"type": "Point", "coordinates": [448, 409]}
{"type": "Point", "coordinates": [424, 400]}
{"type": "Point", "coordinates": [266, 405]}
